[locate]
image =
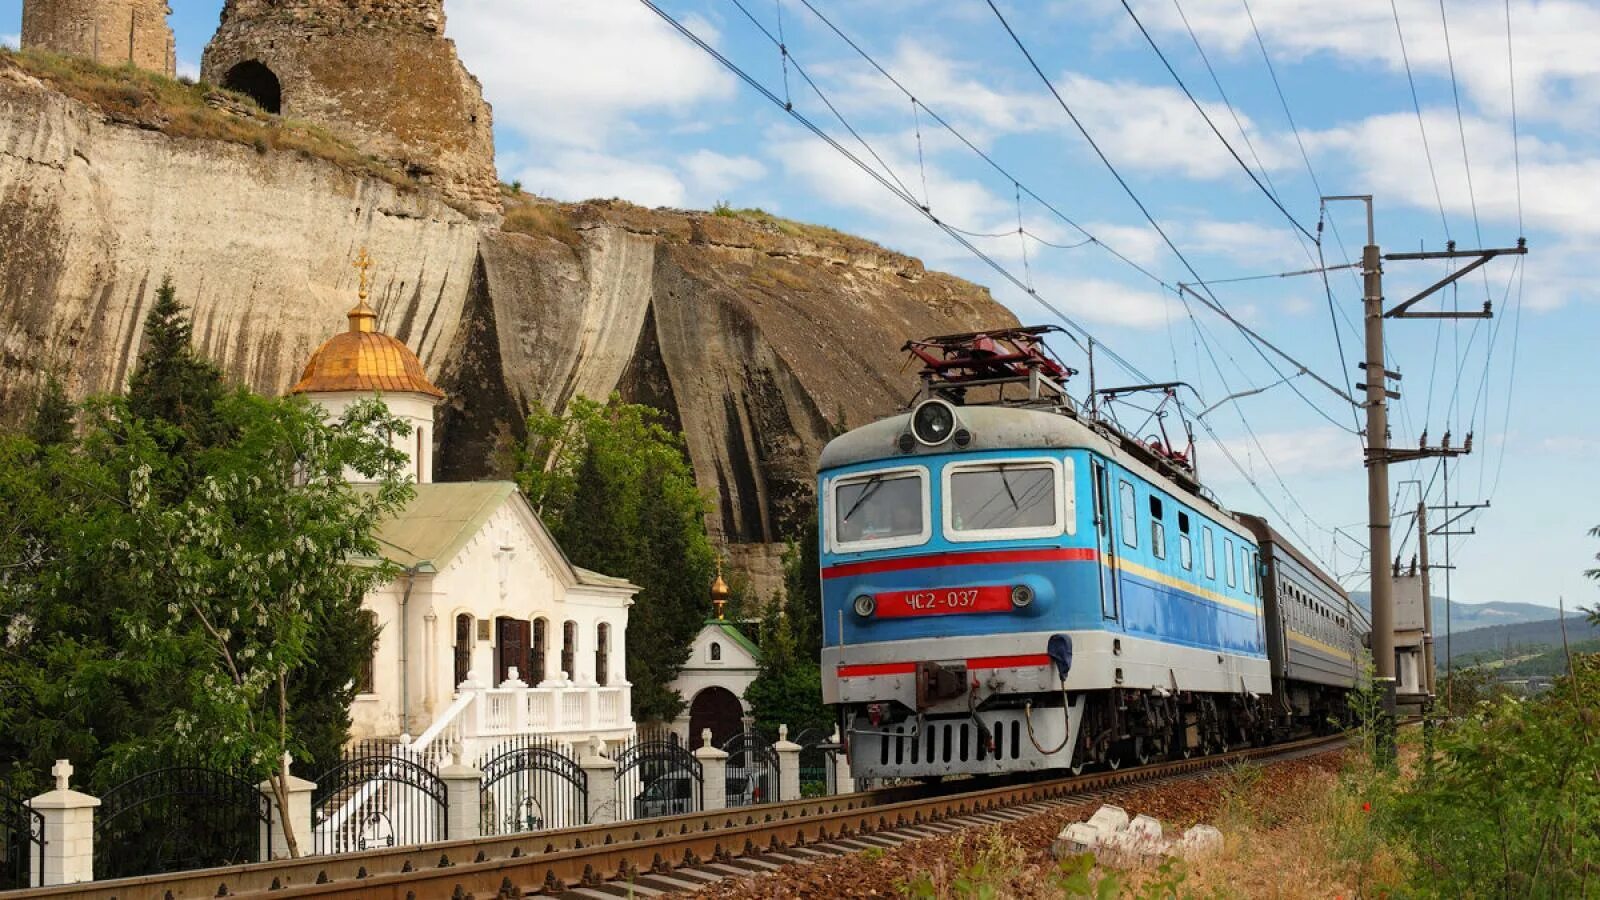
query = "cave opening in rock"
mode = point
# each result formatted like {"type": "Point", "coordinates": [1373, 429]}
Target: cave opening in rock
{"type": "Point", "coordinates": [259, 83]}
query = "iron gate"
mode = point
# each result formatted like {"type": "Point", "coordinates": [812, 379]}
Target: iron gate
{"type": "Point", "coordinates": [376, 800]}
{"type": "Point", "coordinates": [21, 843]}
{"type": "Point", "coordinates": [177, 818]}
{"type": "Point", "coordinates": [817, 756]}
{"type": "Point", "coordinates": [752, 769]}
{"type": "Point", "coordinates": [530, 784]}
{"type": "Point", "coordinates": [658, 776]}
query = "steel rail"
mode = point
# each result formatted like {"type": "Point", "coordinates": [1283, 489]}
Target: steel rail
{"type": "Point", "coordinates": [592, 854]}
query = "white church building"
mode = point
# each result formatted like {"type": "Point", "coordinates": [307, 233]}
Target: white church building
{"type": "Point", "coordinates": [490, 632]}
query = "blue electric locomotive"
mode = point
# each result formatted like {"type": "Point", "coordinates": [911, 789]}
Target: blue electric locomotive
{"type": "Point", "coordinates": [1012, 585]}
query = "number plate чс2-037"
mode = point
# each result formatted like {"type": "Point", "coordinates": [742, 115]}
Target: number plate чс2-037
{"type": "Point", "coordinates": [943, 601]}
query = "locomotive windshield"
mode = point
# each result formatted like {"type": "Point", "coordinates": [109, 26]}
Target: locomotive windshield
{"type": "Point", "coordinates": [1002, 497]}
{"type": "Point", "coordinates": [882, 507]}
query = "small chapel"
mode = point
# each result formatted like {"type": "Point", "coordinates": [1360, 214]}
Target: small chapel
{"type": "Point", "coordinates": [490, 631]}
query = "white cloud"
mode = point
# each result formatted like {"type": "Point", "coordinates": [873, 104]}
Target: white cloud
{"type": "Point", "coordinates": [12, 41]}
{"type": "Point", "coordinates": [1571, 445]}
{"type": "Point", "coordinates": [714, 174]}
{"type": "Point", "coordinates": [1319, 450]}
{"type": "Point", "coordinates": [1099, 301]}
{"type": "Point", "coordinates": [188, 68]}
{"type": "Point", "coordinates": [961, 93]}
{"type": "Point", "coordinates": [1558, 72]}
{"type": "Point", "coordinates": [572, 72]}
{"type": "Point", "coordinates": [1245, 243]}
{"type": "Point", "coordinates": [584, 175]}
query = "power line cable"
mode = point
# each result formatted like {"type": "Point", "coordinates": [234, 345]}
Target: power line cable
{"type": "Point", "coordinates": [1416, 104]}
{"type": "Point", "coordinates": [1212, 125]}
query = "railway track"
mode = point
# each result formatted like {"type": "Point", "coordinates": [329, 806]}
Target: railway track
{"type": "Point", "coordinates": [650, 857]}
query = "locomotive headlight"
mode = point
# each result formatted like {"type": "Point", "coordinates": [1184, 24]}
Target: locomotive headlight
{"type": "Point", "coordinates": [866, 606]}
{"type": "Point", "coordinates": [933, 422]}
{"type": "Point", "coordinates": [1021, 596]}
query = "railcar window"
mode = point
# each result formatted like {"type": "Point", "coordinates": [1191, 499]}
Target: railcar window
{"type": "Point", "coordinates": [1246, 578]}
{"type": "Point", "coordinates": [1158, 530]}
{"type": "Point", "coordinates": [885, 506]}
{"type": "Point", "coordinates": [1003, 497]}
{"type": "Point", "coordinates": [1227, 561]}
{"type": "Point", "coordinates": [1185, 545]}
{"type": "Point", "coordinates": [1206, 557]}
{"type": "Point", "coordinates": [1130, 514]}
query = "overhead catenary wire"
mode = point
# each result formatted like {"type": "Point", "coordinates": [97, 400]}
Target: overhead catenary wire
{"type": "Point", "coordinates": [1210, 299]}
{"type": "Point", "coordinates": [893, 185]}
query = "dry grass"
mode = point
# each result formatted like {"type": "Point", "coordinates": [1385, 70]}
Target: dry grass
{"type": "Point", "coordinates": [542, 220]}
{"type": "Point", "coordinates": [188, 110]}
{"type": "Point", "coordinates": [821, 234]}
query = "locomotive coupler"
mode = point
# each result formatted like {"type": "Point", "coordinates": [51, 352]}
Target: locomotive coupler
{"type": "Point", "coordinates": [936, 683]}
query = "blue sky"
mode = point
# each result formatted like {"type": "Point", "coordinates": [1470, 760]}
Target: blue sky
{"type": "Point", "coordinates": [600, 98]}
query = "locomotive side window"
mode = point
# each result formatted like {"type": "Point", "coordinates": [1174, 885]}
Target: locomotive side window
{"type": "Point", "coordinates": [1130, 514]}
{"type": "Point", "coordinates": [1207, 559]}
{"type": "Point", "coordinates": [1246, 576]}
{"type": "Point", "coordinates": [985, 501]}
{"type": "Point", "coordinates": [1185, 545]}
{"type": "Point", "coordinates": [1158, 530]}
{"type": "Point", "coordinates": [879, 510]}
{"type": "Point", "coordinates": [1227, 561]}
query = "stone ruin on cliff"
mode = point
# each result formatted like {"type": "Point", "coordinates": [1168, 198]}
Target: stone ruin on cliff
{"type": "Point", "coordinates": [378, 73]}
{"type": "Point", "coordinates": [110, 32]}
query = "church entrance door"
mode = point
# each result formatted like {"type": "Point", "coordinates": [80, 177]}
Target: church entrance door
{"type": "Point", "coordinates": [718, 709]}
{"type": "Point", "coordinates": [511, 648]}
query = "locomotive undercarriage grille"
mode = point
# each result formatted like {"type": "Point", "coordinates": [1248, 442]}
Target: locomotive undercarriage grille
{"type": "Point", "coordinates": [955, 745]}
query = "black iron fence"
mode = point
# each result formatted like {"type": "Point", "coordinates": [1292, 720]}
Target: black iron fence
{"type": "Point", "coordinates": [752, 769]}
{"type": "Point", "coordinates": [182, 817]}
{"type": "Point", "coordinates": [378, 796]}
{"type": "Point", "coordinates": [21, 842]}
{"type": "Point", "coordinates": [530, 784]}
{"type": "Point", "coordinates": [817, 758]}
{"type": "Point", "coordinates": [657, 776]}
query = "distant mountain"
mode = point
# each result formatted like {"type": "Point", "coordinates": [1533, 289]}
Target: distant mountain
{"type": "Point", "coordinates": [1520, 639]}
{"type": "Point", "coordinates": [1467, 616]}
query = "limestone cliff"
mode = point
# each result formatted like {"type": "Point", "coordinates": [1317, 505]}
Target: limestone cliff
{"type": "Point", "coordinates": [757, 336]}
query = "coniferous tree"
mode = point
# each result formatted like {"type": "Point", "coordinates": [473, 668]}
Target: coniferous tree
{"type": "Point", "coordinates": [674, 574]}
{"type": "Point", "coordinates": [52, 421]}
{"type": "Point", "coordinates": [593, 530]}
{"type": "Point", "coordinates": [172, 383]}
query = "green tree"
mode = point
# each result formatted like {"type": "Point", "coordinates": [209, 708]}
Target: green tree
{"type": "Point", "coordinates": [802, 588]}
{"type": "Point", "coordinates": [172, 383]}
{"type": "Point", "coordinates": [788, 690]}
{"type": "Point", "coordinates": [52, 420]}
{"type": "Point", "coordinates": [146, 624]}
{"type": "Point", "coordinates": [614, 487]}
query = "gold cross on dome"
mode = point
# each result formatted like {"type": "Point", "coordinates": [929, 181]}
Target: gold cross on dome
{"type": "Point", "coordinates": [363, 264]}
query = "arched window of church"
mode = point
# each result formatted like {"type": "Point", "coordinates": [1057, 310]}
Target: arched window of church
{"type": "Point", "coordinates": [602, 656]}
{"type": "Point", "coordinates": [536, 661]}
{"type": "Point", "coordinates": [463, 647]}
{"type": "Point", "coordinates": [716, 652]}
{"type": "Point", "coordinates": [366, 679]}
{"type": "Point", "coordinates": [569, 647]}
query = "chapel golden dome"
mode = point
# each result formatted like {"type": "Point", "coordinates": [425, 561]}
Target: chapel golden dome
{"type": "Point", "coordinates": [364, 359]}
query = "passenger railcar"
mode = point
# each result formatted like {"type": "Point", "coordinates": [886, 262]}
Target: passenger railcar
{"type": "Point", "coordinates": [1313, 635]}
{"type": "Point", "coordinates": [1013, 585]}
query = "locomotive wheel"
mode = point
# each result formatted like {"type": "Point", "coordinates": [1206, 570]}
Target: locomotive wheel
{"type": "Point", "coordinates": [1143, 753]}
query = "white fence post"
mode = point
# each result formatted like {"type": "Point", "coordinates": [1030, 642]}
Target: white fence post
{"type": "Point", "coordinates": [788, 765]}
{"type": "Point", "coordinates": [463, 801]}
{"type": "Point", "coordinates": [714, 769]}
{"type": "Point", "coordinates": [843, 781]}
{"type": "Point", "coordinates": [600, 775]}
{"type": "Point", "coordinates": [68, 831]}
{"type": "Point", "coordinates": [299, 818]}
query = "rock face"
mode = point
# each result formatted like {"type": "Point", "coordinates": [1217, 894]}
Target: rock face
{"type": "Point", "coordinates": [379, 73]}
{"type": "Point", "coordinates": [759, 338]}
{"type": "Point", "coordinates": [112, 32]}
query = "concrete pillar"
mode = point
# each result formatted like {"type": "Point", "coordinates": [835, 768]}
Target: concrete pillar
{"type": "Point", "coordinates": [788, 766]}
{"type": "Point", "coordinates": [714, 769]}
{"type": "Point", "coordinates": [602, 781]}
{"type": "Point", "coordinates": [68, 831]}
{"type": "Point", "coordinates": [843, 781]}
{"type": "Point", "coordinates": [298, 818]}
{"type": "Point", "coordinates": [463, 813]}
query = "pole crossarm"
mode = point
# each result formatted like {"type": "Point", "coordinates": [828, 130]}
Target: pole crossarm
{"type": "Point", "coordinates": [1479, 259]}
{"type": "Point", "coordinates": [1412, 454]}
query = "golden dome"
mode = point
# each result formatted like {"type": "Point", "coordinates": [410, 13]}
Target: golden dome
{"type": "Point", "coordinates": [365, 360]}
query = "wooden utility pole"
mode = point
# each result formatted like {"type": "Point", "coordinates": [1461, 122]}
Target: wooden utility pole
{"type": "Point", "coordinates": [1378, 452]}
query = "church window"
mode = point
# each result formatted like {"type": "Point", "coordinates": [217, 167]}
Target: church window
{"type": "Point", "coordinates": [463, 647]}
{"type": "Point", "coordinates": [569, 647]}
{"type": "Point", "coordinates": [366, 678]}
{"type": "Point", "coordinates": [602, 647]}
{"type": "Point", "coordinates": [536, 662]}
{"type": "Point", "coordinates": [716, 652]}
